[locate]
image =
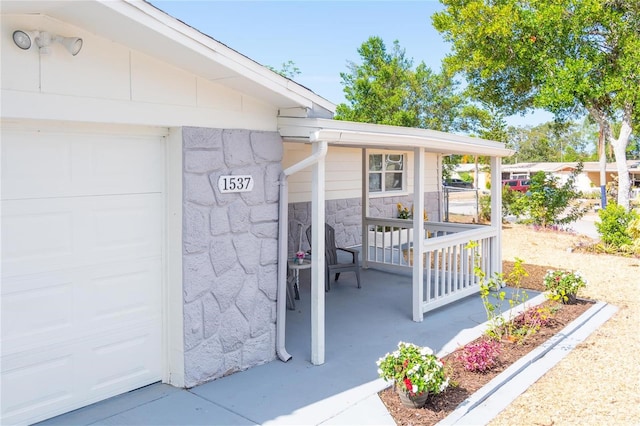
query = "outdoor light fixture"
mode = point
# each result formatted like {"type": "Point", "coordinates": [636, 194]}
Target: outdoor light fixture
{"type": "Point", "coordinates": [25, 39]}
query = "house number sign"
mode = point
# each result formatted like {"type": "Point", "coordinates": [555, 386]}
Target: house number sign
{"type": "Point", "coordinates": [235, 183]}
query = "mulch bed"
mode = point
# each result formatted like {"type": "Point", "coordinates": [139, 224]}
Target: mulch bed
{"type": "Point", "coordinates": [465, 383]}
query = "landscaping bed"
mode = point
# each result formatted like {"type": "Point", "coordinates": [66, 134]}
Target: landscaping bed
{"type": "Point", "coordinates": [597, 382]}
{"type": "Point", "coordinates": [465, 383]}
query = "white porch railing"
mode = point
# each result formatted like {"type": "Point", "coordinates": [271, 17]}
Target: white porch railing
{"type": "Point", "coordinates": [448, 263]}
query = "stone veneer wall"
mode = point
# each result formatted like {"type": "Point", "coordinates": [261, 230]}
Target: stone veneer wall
{"type": "Point", "coordinates": [346, 217]}
{"type": "Point", "coordinates": [230, 246]}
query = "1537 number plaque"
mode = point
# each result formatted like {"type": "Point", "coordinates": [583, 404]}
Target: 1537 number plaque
{"type": "Point", "coordinates": [235, 183]}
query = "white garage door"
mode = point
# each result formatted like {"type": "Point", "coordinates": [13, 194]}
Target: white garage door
{"type": "Point", "coordinates": [82, 232]}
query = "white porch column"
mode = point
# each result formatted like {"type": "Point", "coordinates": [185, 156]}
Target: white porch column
{"type": "Point", "coordinates": [496, 215]}
{"type": "Point", "coordinates": [418, 232]}
{"type": "Point", "coordinates": [365, 207]}
{"type": "Point", "coordinates": [317, 257]}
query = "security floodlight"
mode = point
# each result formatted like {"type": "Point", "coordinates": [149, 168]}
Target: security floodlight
{"type": "Point", "coordinates": [25, 39]}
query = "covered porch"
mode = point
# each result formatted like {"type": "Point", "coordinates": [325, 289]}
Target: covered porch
{"type": "Point", "coordinates": [433, 255]}
{"type": "Point", "coordinates": [363, 325]}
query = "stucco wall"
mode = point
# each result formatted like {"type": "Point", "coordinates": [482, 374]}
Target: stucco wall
{"type": "Point", "coordinates": [346, 217]}
{"type": "Point", "coordinates": [229, 251]}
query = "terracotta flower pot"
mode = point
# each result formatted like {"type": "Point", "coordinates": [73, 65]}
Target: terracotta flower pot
{"type": "Point", "coordinates": [412, 401]}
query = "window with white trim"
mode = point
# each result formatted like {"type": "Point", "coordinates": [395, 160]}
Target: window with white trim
{"type": "Point", "coordinates": [387, 173]}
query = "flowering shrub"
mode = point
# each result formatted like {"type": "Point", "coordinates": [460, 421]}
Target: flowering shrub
{"type": "Point", "coordinates": [481, 356]}
{"type": "Point", "coordinates": [406, 213]}
{"type": "Point", "coordinates": [563, 285]}
{"type": "Point", "coordinates": [531, 321]}
{"type": "Point", "coordinates": [414, 369]}
{"type": "Point", "coordinates": [535, 317]}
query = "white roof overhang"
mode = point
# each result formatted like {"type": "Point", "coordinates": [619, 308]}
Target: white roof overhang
{"type": "Point", "coordinates": [144, 28]}
{"type": "Point", "coordinates": [376, 136]}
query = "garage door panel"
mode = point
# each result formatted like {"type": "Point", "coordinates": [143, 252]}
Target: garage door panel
{"type": "Point", "coordinates": [34, 162]}
{"type": "Point", "coordinates": [129, 224]}
{"type": "Point", "coordinates": [35, 309]}
{"type": "Point", "coordinates": [143, 164]}
{"type": "Point", "coordinates": [43, 235]}
{"type": "Point", "coordinates": [69, 165]}
{"type": "Point", "coordinates": [126, 295]}
{"type": "Point", "coordinates": [77, 374]}
{"type": "Point", "coordinates": [21, 376]}
{"type": "Point", "coordinates": [116, 357]}
{"type": "Point", "coordinates": [31, 234]}
{"type": "Point", "coordinates": [63, 306]}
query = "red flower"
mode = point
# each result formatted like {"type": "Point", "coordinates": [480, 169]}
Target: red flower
{"type": "Point", "coordinates": [408, 384]}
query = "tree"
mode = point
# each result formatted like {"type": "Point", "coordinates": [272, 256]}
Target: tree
{"type": "Point", "coordinates": [552, 141]}
{"type": "Point", "coordinates": [565, 56]}
{"type": "Point", "coordinates": [385, 89]}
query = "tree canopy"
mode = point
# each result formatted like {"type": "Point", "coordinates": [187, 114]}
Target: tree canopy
{"type": "Point", "coordinates": [565, 56]}
{"type": "Point", "coordinates": [553, 141]}
{"type": "Point", "coordinates": [385, 89]}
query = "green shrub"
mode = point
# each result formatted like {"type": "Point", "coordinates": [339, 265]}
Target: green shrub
{"type": "Point", "coordinates": [509, 197]}
{"type": "Point", "coordinates": [614, 225]}
{"type": "Point", "coordinates": [466, 176]}
{"type": "Point", "coordinates": [549, 203]}
{"type": "Point", "coordinates": [633, 229]}
{"type": "Point", "coordinates": [485, 207]}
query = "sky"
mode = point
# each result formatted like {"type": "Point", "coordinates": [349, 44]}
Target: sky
{"type": "Point", "coordinates": [320, 37]}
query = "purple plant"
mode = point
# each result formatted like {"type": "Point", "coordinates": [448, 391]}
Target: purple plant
{"type": "Point", "coordinates": [480, 356]}
{"type": "Point", "coordinates": [534, 318]}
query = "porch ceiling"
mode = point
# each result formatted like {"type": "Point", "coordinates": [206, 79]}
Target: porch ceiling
{"type": "Point", "coordinates": [365, 135]}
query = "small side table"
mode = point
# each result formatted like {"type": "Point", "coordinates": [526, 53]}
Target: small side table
{"type": "Point", "coordinates": [296, 267]}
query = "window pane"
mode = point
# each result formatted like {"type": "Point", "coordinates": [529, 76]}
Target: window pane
{"type": "Point", "coordinates": [375, 162]}
{"type": "Point", "coordinates": [393, 182]}
{"type": "Point", "coordinates": [375, 182]}
{"type": "Point", "coordinates": [394, 162]}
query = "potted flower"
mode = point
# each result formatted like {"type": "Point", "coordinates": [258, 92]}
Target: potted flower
{"type": "Point", "coordinates": [415, 372]}
{"type": "Point", "coordinates": [300, 257]}
{"type": "Point", "coordinates": [563, 285]}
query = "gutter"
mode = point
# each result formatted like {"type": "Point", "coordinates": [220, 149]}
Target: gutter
{"type": "Point", "coordinates": [283, 222]}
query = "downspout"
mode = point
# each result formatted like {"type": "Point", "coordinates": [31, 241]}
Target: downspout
{"type": "Point", "coordinates": [283, 222]}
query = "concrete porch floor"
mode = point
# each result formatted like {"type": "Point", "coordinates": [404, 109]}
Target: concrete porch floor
{"type": "Point", "coordinates": [361, 326]}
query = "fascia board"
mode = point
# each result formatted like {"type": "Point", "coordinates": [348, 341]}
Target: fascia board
{"type": "Point", "coordinates": [190, 49]}
{"type": "Point", "coordinates": [212, 49]}
{"type": "Point", "coordinates": [390, 137]}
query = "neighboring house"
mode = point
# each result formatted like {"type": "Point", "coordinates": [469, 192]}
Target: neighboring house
{"type": "Point", "coordinates": [587, 181]}
{"type": "Point", "coordinates": [147, 184]}
{"type": "Point", "coordinates": [480, 173]}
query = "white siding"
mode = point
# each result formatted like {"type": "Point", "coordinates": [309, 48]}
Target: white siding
{"type": "Point", "coordinates": [344, 173]}
{"type": "Point", "coordinates": [109, 82]}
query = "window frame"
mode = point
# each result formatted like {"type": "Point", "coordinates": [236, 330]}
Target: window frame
{"type": "Point", "coordinates": [384, 192]}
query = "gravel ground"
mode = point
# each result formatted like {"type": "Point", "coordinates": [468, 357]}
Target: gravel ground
{"type": "Point", "coordinates": [598, 383]}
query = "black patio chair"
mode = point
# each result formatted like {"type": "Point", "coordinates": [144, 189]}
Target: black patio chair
{"type": "Point", "coordinates": [333, 266]}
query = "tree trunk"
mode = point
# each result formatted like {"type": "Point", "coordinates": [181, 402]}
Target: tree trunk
{"type": "Point", "coordinates": [602, 157]}
{"type": "Point", "coordinates": [619, 149]}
